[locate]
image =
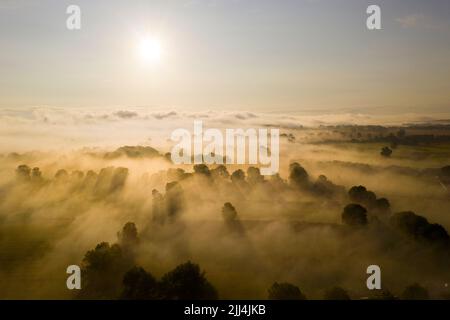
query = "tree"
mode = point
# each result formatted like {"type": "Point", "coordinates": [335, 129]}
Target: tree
{"type": "Point", "coordinates": [202, 169]}
{"type": "Point", "coordinates": [139, 285]}
{"type": "Point", "coordinates": [173, 199]}
{"type": "Point", "coordinates": [285, 291]}
{"type": "Point", "coordinates": [419, 228]}
{"type": "Point", "coordinates": [118, 179]}
{"type": "Point", "coordinates": [103, 182]}
{"type": "Point", "coordinates": [325, 187]}
{"type": "Point", "coordinates": [187, 282]}
{"type": "Point", "coordinates": [298, 177]}
{"type": "Point", "coordinates": [90, 179]}
{"type": "Point", "coordinates": [386, 152]}
{"type": "Point", "coordinates": [277, 182]}
{"type": "Point", "coordinates": [175, 174]}
{"type": "Point", "coordinates": [254, 176]}
{"type": "Point", "coordinates": [229, 212]}
{"type": "Point", "coordinates": [409, 223]}
{"type": "Point", "coordinates": [415, 292]}
{"type": "Point", "coordinates": [61, 175]}
{"type": "Point", "coordinates": [220, 172]}
{"type": "Point", "coordinates": [23, 172]}
{"type": "Point", "coordinates": [102, 270]}
{"type": "Point", "coordinates": [354, 215]}
{"type": "Point", "coordinates": [435, 233]}
{"type": "Point", "coordinates": [158, 210]}
{"type": "Point", "coordinates": [238, 176]}
{"type": "Point", "coordinates": [336, 293]}
{"type": "Point", "coordinates": [229, 215]}
{"type": "Point", "coordinates": [128, 237]}
{"type": "Point", "coordinates": [383, 206]}
{"type": "Point", "coordinates": [36, 175]}
{"type": "Point", "coordinates": [76, 175]}
{"type": "Point", "coordinates": [359, 194]}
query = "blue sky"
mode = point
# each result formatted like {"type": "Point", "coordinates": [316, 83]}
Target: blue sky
{"type": "Point", "coordinates": [228, 54]}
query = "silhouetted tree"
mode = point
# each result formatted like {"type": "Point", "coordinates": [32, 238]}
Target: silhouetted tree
{"type": "Point", "coordinates": [386, 152]}
{"type": "Point", "coordinates": [186, 282]}
{"type": "Point", "coordinates": [298, 177]}
{"type": "Point", "coordinates": [118, 180]}
{"type": "Point", "coordinates": [202, 169]}
{"type": "Point", "coordinates": [325, 187]}
{"type": "Point", "coordinates": [173, 199]}
{"type": "Point", "coordinates": [158, 210]}
{"type": "Point", "coordinates": [254, 176]}
{"type": "Point", "coordinates": [175, 174]}
{"type": "Point", "coordinates": [285, 291]}
{"type": "Point", "coordinates": [128, 237]}
{"type": "Point", "coordinates": [139, 285]}
{"type": "Point", "coordinates": [419, 228]}
{"type": "Point", "coordinates": [103, 184]}
{"type": "Point", "coordinates": [61, 174]}
{"type": "Point", "coordinates": [229, 215]}
{"type": "Point", "coordinates": [36, 175]}
{"type": "Point", "coordinates": [359, 194]}
{"type": "Point", "coordinates": [23, 172]}
{"type": "Point", "coordinates": [336, 293]}
{"type": "Point", "coordinates": [229, 212]}
{"type": "Point", "coordinates": [415, 292]}
{"type": "Point", "coordinates": [102, 271]}
{"type": "Point", "coordinates": [238, 176]}
{"type": "Point", "coordinates": [220, 172]}
{"type": "Point", "coordinates": [277, 182]}
{"type": "Point", "coordinates": [90, 179]}
{"type": "Point", "coordinates": [77, 176]}
{"type": "Point", "coordinates": [354, 215]}
{"type": "Point", "coordinates": [382, 205]}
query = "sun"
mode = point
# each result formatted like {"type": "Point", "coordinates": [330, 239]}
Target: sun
{"type": "Point", "coordinates": [149, 50]}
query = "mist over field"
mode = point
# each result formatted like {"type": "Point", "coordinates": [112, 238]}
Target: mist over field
{"type": "Point", "coordinates": [72, 180]}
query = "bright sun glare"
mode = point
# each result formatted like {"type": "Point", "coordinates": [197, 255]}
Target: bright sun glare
{"type": "Point", "coordinates": [149, 50]}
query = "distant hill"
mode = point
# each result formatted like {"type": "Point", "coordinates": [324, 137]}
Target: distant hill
{"type": "Point", "coordinates": [133, 152]}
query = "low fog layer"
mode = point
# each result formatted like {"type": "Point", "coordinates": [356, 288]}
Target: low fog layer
{"type": "Point", "coordinates": [59, 129]}
{"type": "Point", "coordinates": [70, 182]}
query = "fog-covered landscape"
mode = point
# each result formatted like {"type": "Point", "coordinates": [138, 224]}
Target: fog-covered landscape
{"type": "Point", "coordinates": [225, 150]}
{"type": "Point", "coordinates": [347, 196]}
